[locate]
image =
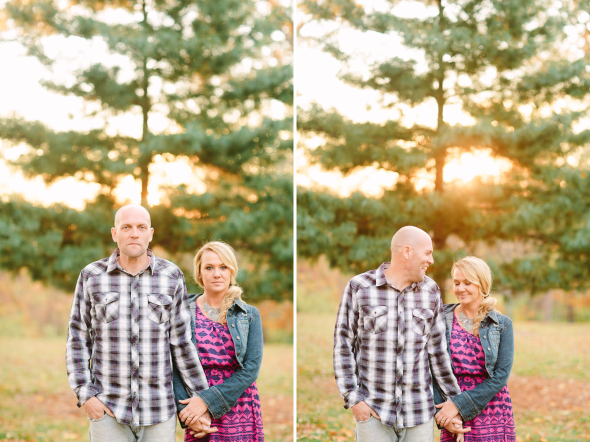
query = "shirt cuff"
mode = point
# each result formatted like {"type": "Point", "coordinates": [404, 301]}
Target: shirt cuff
{"type": "Point", "coordinates": [465, 406]}
{"type": "Point", "coordinates": [353, 397]}
{"type": "Point", "coordinates": [215, 402]}
{"type": "Point", "coordinates": [84, 393]}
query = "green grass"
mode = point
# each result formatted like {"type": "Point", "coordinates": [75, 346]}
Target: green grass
{"type": "Point", "coordinates": [556, 352]}
{"type": "Point", "coordinates": [36, 403]}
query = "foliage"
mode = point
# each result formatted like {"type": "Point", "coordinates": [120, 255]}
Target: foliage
{"type": "Point", "coordinates": [205, 69]}
{"type": "Point", "coordinates": [511, 70]}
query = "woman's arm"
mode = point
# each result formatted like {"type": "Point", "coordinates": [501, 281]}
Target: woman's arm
{"type": "Point", "coordinates": [471, 403]}
{"type": "Point", "coordinates": [222, 397]}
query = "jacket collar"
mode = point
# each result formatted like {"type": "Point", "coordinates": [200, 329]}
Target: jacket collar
{"type": "Point", "coordinates": [192, 297]}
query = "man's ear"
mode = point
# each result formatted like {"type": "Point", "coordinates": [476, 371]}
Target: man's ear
{"type": "Point", "coordinates": [407, 251]}
{"type": "Point", "coordinates": [114, 234]}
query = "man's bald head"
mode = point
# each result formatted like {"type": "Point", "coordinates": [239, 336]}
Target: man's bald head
{"type": "Point", "coordinates": [132, 207]}
{"type": "Point", "coordinates": [408, 236]}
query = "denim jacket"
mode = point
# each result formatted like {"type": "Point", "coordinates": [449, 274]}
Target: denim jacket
{"type": "Point", "coordinates": [245, 328]}
{"type": "Point", "coordinates": [497, 339]}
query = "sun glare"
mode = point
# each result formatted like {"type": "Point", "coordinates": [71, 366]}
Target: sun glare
{"type": "Point", "coordinates": [470, 165]}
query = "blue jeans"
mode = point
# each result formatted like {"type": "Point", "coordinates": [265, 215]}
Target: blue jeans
{"type": "Point", "coordinates": [107, 429]}
{"type": "Point", "coordinates": [374, 431]}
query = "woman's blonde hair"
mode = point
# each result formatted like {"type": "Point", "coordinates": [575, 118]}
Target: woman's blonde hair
{"type": "Point", "coordinates": [477, 272]}
{"type": "Point", "coordinates": [228, 257]}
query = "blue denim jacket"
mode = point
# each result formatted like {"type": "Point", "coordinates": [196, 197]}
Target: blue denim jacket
{"type": "Point", "coordinates": [245, 328]}
{"type": "Point", "coordinates": [497, 339]}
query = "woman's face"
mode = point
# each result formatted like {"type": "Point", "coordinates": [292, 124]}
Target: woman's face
{"type": "Point", "coordinates": [466, 292]}
{"type": "Point", "coordinates": [215, 275]}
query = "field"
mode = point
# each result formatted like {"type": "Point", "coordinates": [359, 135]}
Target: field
{"type": "Point", "coordinates": [550, 383]}
{"type": "Point", "coordinates": [36, 403]}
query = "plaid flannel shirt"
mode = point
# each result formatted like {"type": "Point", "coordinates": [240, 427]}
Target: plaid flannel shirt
{"type": "Point", "coordinates": [386, 343]}
{"type": "Point", "coordinates": [123, 334]}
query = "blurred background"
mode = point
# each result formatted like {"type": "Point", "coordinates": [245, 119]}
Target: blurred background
{"type": "Point", "coordinates": [184, 107]}
{"type": "Point", "coordinates": [469, 120]}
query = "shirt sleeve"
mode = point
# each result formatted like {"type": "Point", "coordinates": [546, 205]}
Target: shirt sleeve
{"type": "Point", "coordinates": [345, 349]}
{"type": "Point", "coordinates": [438, 355]}
{"type": "Point", "coordinates": [184, 353]}
{"type": "Point", "coordinates": [79, 345]}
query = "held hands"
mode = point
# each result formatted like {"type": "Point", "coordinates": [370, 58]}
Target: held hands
{"type": "Point", "coordinates": [362, 412]}
{"type": "Point", "coordinates": [202, 426]}
{"type": "Point", "coordinates": [193, 411]}
{"type": "Point", "coordinates": [95, 409]}
{"type": "Point", "coordinates": [448, 411]}
{"type": "Point", "coordinates": [455, 426]}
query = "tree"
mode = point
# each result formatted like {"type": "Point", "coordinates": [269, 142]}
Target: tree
{"type": "Point", "coordinates": [212, 70]}
{"type": "Point", "coordinates": [511, 69]}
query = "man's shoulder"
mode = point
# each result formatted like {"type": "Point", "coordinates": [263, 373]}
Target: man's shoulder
{"type": "Point", "coordinates": [96, 267]}
{"type": "Point", "coordinates": [167, 268]}
{"type": "Point", "coordinates": [429, 285]}
{"type": "Point", "coordinates": [364, 280]}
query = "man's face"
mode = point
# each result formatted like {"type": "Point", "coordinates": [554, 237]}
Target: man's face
{"type": "Point", "coordinates": [421, 259]}
{"type": "Point", "coordinates": [133, 232]}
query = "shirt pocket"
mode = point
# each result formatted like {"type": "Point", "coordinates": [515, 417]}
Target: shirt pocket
{"type": "Point", "coordinates": [244, 327]}
{"type": "Point", "coordinates": [159, 307]}
{"type": "Point", "coordinates": [421, 320]}
{"type": "Point", "coordinates": [375, 318]}
{"type": "Point", "coordinates": [106, 306]}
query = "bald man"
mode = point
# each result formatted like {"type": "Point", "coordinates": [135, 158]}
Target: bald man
{"type": "Point", "coordinates": [389, 337]}
{"type": "Point", "coordinates": [130, 317]}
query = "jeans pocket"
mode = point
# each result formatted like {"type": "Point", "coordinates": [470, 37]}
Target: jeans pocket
{"type": "Point", "coordinates": [106, 306]}
{"type": "Point", "coordinates": [104, 416]}
{"type": "Point", "coordinates": [159, 307]}
{"type": "Point", "coordinates": [364, 422]}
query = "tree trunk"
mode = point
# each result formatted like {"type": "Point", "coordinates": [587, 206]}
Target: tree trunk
{"type": "Point", "coordinates": [145, 157]}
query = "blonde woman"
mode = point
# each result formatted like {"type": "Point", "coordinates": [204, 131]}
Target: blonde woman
{"type": "Point", "coordinates": [228, 337]}
{"type": "Point", "coordinates": [481, 344]}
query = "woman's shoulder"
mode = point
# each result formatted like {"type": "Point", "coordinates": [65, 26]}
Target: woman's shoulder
{"type": "Point", "coordinates": [501, 319]}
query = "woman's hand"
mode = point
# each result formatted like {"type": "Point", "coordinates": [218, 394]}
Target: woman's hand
{"type": "Point", "coordinates": [447, 412]}
{"type": "Point", "coordinates": [455, 426]}
{"type": "Point", "coordinates": [193, 411]}
{"type": "Point", "coordinates": [201, 427]}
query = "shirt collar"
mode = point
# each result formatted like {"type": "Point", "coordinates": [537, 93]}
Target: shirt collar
{"type": "Point", "coordinates": [114, 264]}
{"type": "Point", "coordinates": [380, 278]}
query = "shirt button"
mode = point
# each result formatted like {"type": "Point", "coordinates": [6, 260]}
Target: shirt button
{"type": "Point", "coordinates": [489, 348]}
{"type": "Point", "coordinates": [238, 337]}
{"type": "Point", "coordinates": [484, 337]}
{"type": "Point", "coordinates": [233, 325]}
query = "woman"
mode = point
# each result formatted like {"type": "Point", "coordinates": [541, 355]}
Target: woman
{"type": "Point", "coordinates": [481, 345]}
{"type": "Point", "coordinates": [228, 337]}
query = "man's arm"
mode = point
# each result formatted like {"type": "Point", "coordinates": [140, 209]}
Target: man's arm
{"type": "Point", "coordinates": [345, 338]}
{"type": "Point", "coordinates": [79, 345]}
{"type": "Point", "coordinates": [184, 353]}
{"type": "Point", "coordinates": [438, 355]}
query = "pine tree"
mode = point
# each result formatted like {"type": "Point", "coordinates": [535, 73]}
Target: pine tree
{"type": "Point", "coordinates": [213, 70]}
{"type": "Point", "coordinates": [510, 68]}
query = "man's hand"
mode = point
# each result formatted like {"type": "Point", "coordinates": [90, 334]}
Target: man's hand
{"type": "Point", "coordinates": [193, 411]}
{"type": "Point", "coordinates": [95, 409]}
{"type": "Point", "coordinates": [448, 411]}
{"type": "Point", "coordinates": [201, 427]}
{"type": "Point", "coordinates": [362, 412]}
{"type": "Point", "coordinates": [455, 426]}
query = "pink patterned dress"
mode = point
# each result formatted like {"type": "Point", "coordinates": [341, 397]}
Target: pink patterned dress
{"type": "Point", "coordinates": [495, 423]}
{"type": "Point", "coordinates": [243, 423]}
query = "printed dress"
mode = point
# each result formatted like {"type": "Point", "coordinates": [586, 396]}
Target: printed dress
{"type": "Point", "coordinates": [243, 423]}
{"type": "Point", "coordinates": [495, 423]}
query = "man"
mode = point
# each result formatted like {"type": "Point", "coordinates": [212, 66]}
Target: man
{"type": "Point", "coordinates": [129, 317]}
{"type": "Point", "coordinates": [389, 336]}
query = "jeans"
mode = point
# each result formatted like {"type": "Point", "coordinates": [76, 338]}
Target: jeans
{"type": "Point", "coordinates": [107, 429]}
{"type": "Point", "coordinates": [374, 431]}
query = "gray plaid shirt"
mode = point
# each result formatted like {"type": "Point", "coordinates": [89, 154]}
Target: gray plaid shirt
{"type": "Point", "coordinates": [386, 342]}
{"type": "Point", "coordinates": [131, 328]}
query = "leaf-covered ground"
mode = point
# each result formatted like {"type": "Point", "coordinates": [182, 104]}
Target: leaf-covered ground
{"type": "Point", "coordinates": [549, 385]}
{"type": "Point", "coordinates": [36, 403]}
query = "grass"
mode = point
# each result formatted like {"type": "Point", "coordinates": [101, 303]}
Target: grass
{"type": "Point", "coordinates": [551, 355]}
{"type": "Point", "coordinates": [36, 403]}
